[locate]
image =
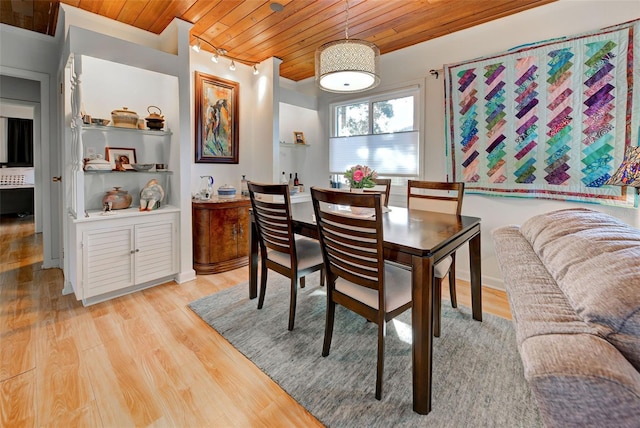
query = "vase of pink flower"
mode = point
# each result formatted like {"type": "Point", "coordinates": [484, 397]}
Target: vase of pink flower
{"type": "Point", "coordinates": [361, 177]}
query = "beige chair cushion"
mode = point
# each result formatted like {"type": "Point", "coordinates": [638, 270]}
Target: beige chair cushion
{"type": "Point", "coordinates": [397, 282]}
{"type": "Point", "coordinates": [307, 250]}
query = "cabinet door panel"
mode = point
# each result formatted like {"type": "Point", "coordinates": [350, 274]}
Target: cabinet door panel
{"type": "Point", "coordinates": [223, 238]}
{"type": "Point", "coordinates": [243, 232]}
{"type": "Point", "coordinates": [154, 255]}
{"type": "Point", "coordinates": [107, 261]}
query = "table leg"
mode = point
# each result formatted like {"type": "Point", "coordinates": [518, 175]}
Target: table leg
{"type": "Point", "coordinates": [421, 313]}
{"type": "Point", "coordinates": [476, 277]}
{"type": "Point", "coordinates": [253, 261]}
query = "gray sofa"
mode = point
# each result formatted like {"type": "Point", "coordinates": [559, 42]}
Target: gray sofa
{"type": "Point", "coordinates": [573, 282]}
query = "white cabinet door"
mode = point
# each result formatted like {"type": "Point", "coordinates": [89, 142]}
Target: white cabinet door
{"type": "Point", "coordinates": [155, 255]}
{"type": "Point", "coordinates": [107, 260]}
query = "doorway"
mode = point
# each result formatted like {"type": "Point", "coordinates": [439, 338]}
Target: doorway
{"type": "Point", "coordinates": [30, 90]}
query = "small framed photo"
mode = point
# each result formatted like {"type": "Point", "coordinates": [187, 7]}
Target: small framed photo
{"type": "Point", "coordinates": [121, 158]}
{"type": "Point", "coordinates": [298, 137]}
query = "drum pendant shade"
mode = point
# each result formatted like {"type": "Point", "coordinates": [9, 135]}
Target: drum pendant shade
{"type": "Point", "coordinates": [348, 65]}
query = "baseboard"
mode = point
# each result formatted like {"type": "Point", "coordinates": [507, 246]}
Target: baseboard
{"type": "Point", "coordinates": [183, 277]}
{"type": "Point", "coordinates": [487, 281]}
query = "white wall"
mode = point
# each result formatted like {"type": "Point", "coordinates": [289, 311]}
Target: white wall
{"type": "Point", "coordinates": [250, 138]}
{"type": "Point", "coordinates": [310, 161]}
{"type": "Point", "coordinates": [562, 18]}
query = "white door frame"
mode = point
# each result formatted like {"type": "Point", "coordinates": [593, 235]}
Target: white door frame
{"type": "Point", "coordinates": [43, 165]}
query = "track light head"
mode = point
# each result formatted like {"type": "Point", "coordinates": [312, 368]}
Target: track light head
{"type": "Point", "coordinates": [196, 47]}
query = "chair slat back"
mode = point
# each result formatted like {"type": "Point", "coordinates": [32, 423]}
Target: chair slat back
{"type": "Point", "coordinates": [271, 209]}
{"type": "Point", "coordinates": [351, 242]}
{"type": "Point", "coordinates": [435, 196]}
{"type": "Point", "coordinates": [383, 186]}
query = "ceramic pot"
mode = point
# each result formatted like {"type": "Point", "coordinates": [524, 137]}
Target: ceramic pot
{"type": "Point", "coordinates": [119, 199]}
{"type": "Point", "coordinates": [124, 118]}
{"type": "Point", "coordinates": [226, 191]}
{"type": "Point", "coordinates": [97, 164]}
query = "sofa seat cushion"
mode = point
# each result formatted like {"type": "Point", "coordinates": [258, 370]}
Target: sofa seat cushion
{"type": "Point", "coordinates": [538, 307]}
{"type": "Point", "coordinates": [594, 259]}
{"type": "Point", "coordinates": [581, 381]}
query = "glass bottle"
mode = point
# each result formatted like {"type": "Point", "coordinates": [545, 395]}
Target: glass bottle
{"type": "Point", "coordinates": [284, 180]}
{"type": "Point", "coordinates": [296, 182]}
{"type": "Point", "coordinates": [290, 181]}
{"type": "Point", "coordinates": [244, 189]}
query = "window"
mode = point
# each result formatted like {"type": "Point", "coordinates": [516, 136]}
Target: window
{"type": "Point", "coordinates": [381, 132]}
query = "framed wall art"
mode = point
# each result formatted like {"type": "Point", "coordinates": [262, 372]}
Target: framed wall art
{"type": "Point", "coordinates": [121, 158]}
{"type": "Point", "coordinates": [216, 113]}
{"type": "Point", "coordinates": [298, 137]}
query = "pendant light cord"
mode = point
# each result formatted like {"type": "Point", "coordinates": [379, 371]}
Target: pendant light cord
{"type": "Point", "coordinates": [346, 30]}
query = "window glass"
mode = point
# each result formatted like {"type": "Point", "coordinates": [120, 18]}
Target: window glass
{"type": "Point", "coordinates": [352, 119]}
{"type": "Point", "coordinates": [393, 115]}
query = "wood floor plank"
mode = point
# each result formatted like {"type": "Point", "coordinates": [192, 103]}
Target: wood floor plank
{"type": "Point", "coordinates": [18, 401]}
{"type": "Point", "coordinates": [143, 359]}
{"type": "Point", "coordinates": [61, 383]}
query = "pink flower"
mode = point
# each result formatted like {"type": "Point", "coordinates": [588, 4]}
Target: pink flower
{"type": "Point", "coordinates": [358, 175]}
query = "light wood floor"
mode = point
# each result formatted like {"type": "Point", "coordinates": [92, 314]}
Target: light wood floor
{"type": "Point", "coordinates": [140, 360]}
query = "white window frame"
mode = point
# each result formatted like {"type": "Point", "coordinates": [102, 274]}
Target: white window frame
{"type": "Point", "coordinates": [415, 91]}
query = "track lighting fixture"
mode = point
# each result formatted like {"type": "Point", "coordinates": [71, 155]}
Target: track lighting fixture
{"type": "Point", "coordinates": [220, 52]}
{"type": "Point", "coordinates": [196, 47]}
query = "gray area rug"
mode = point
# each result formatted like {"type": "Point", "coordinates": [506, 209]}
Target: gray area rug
{"type": "Point", "coordinates": [477, 373]}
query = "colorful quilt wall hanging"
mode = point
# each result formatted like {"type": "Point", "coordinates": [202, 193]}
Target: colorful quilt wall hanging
{"type": "Point", "coordinates": [550, 120]}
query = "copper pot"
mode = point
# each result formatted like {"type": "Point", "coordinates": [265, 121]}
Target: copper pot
{"type": "Point", "coordinates": [119, 199]}
{"type": "Point", "coordinates": [155, 120]}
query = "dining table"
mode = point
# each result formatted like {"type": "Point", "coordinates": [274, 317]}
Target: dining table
{"type": "Point", "coordinates": [419, 240]}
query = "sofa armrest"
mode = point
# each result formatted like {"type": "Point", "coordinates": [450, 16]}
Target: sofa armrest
{"type": "Point", "coordinates": [581, 380]}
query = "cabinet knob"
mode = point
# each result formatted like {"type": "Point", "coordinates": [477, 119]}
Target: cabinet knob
{"type": "Point", "coordinates": [56, 179]}
{"type": "Point", "coordinates": [234, 232]}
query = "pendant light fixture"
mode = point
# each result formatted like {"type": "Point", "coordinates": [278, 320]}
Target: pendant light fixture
{"type": "Point", "coordinates": [348, 65]}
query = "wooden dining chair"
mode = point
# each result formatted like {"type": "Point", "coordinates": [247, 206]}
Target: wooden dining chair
{"type": "Point", "coordinates": [383, 186]}
{"type": "Point", "coordinates": [446, 198]}
{"type": "Point", "coordinates": [357, 276]}
{"type": "Point", "coordinates": [280, 249]}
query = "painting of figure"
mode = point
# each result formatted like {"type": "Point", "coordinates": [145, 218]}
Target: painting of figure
{"type": "Point", "coordinates": [216, 119]}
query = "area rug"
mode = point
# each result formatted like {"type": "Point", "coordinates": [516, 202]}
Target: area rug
{"type": "Point", "coordinates": [477, 373]}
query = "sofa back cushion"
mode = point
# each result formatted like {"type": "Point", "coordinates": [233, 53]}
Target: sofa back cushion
{"type": "Point", "coordinates": [595, 260]}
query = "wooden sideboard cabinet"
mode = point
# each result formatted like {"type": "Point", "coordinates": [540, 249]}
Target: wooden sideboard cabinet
{"type": "Point", "coordinates": [220, 234]}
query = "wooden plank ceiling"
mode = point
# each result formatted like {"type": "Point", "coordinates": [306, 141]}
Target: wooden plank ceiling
{"type": "Point", "coordinates": [252, 31]}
